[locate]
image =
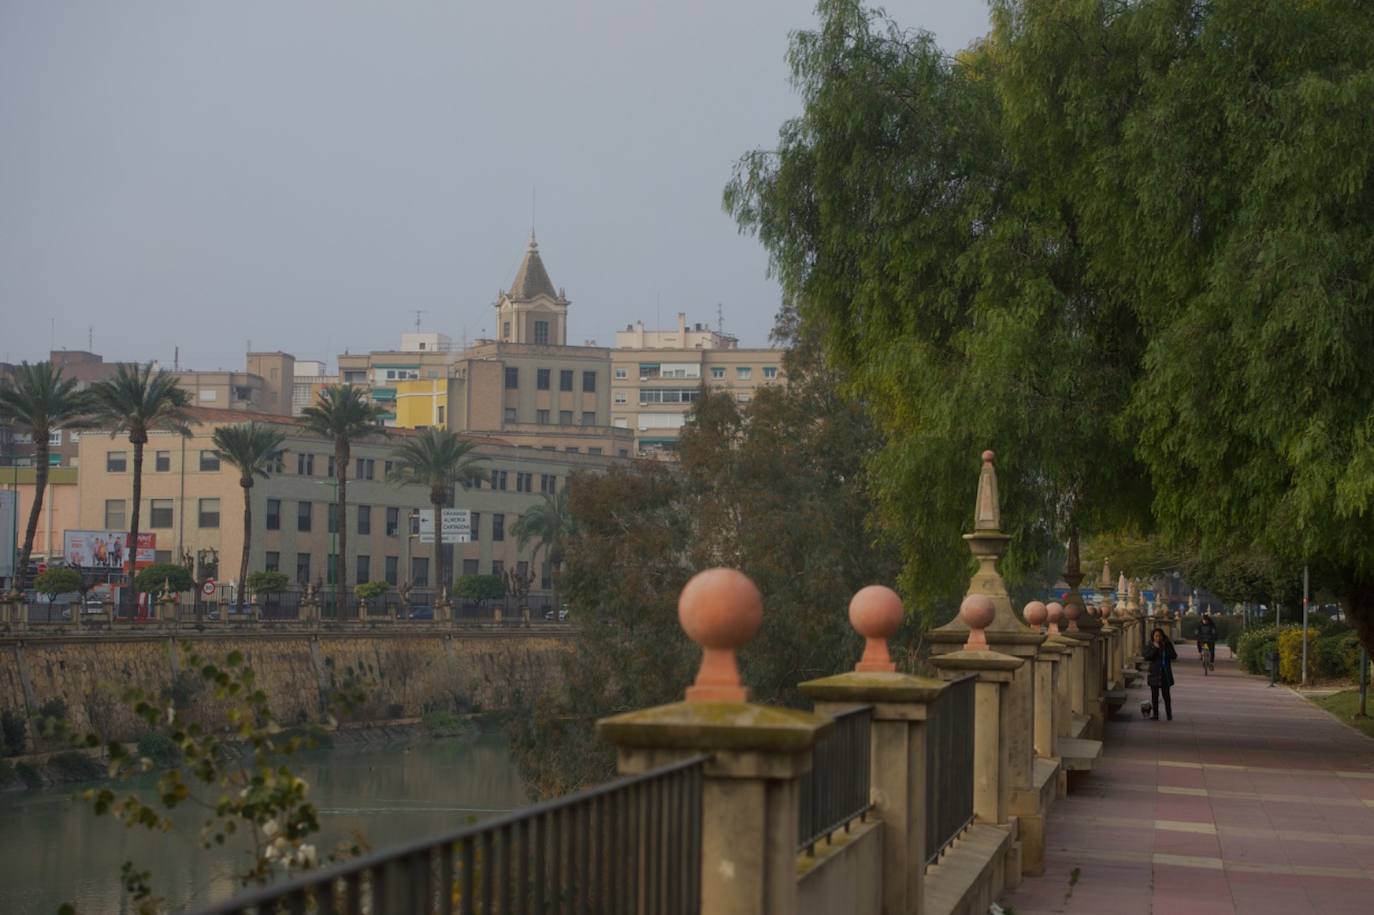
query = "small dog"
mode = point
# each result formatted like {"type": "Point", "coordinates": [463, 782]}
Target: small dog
{"type": "Point", "coordinates": [1146, 709]}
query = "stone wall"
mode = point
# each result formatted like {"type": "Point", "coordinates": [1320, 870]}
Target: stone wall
{"type": "Point", "coordinates": [400, 673]}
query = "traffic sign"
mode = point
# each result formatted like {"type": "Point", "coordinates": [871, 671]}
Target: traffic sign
{"type": "Point", "coordinates": [208, 587]}
{"type": "Point", "coordinates": [457, 525]}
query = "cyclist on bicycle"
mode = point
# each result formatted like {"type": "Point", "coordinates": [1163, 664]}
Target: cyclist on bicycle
{"type": "Point", "coordinates": [1207, 636]}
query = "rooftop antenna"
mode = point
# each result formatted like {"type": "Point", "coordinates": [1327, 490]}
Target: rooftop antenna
{"type": "Point", "coordinates": [90, 339]}
{"type": "Point", "coordinates": [418, 312]}
{"type": "Point", "coordinates": [720, 319]}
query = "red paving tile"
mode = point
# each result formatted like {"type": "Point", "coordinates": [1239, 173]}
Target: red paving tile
{"type": "Point", "coordinates": [1138, 835]}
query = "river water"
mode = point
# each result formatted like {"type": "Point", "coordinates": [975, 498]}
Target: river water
{"type": "Point", "coordinates": [53, 849]}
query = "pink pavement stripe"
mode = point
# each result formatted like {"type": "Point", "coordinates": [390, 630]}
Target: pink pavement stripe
{"type": "Point", "coordinates": [1136, 828]}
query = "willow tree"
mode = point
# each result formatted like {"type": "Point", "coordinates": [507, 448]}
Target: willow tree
{"type": "Point", "coordinates": [953, 288]}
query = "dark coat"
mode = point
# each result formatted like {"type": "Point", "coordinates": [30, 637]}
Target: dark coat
{"type": "Point", "coordinates": [1207, 632]}
{"type": "Point", "coordinates": [1161, 663]}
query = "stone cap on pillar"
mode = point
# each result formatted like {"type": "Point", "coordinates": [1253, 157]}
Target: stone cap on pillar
{"type": "Point", "coordinates": [720, 610]}
{"type": "Point", "coordinates": [876, 614]}
{"type": "Point", "coordinates": [976, 656]}
{"type": "Point", "coordinates": [1037, 614]}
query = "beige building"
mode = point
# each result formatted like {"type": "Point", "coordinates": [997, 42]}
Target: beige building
{"type": "Point", "coordinates": [658, 374]}
{"type": "Point", "coordinates": [311, 377]}
{"type": "Point", "coordinates": [194, 504]}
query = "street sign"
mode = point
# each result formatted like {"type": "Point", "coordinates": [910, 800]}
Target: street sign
{"type": "Point", "coordinates": [208, 587]}
{"type": "Point", "coordinates": [457, 525]}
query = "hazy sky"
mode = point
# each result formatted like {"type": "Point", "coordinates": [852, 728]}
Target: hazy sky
{"type": "Point", "coordinates": [305, 174]}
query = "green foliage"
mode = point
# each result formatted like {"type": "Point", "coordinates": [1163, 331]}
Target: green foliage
{"type": "Point", "coordinates": [252, 799]}
{"type": "Point", "coordinates": [443, 723]}
{"type": "Point", "coordinates": [371, 589]}
{"type": "Point", "coordinates": [251, 448]}
{"type": "Point", "coordinates": [53, 582]}
{"type": "Point", "coordinates": [1336, 656]}
{"type": "Point", "coordinates": [438, 460]}
{"type": "Point", "coordinates": [163, 574]}
{"type": "Point", "coordinates": [549, 524]}
{"type": "Point", "coordinates": [13, 732]}
{"type": "Point", "coordinates": [1254, 646]}
{"type": "Point", "coordinates": [480, 587]}
{"type": "Point", "coordinates": [268, 582]}
{"type": "Point", "coordinates": [76, 767]}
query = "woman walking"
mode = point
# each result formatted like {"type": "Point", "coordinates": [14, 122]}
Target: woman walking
{"type": "Point", "coordinates": [1161, 655]}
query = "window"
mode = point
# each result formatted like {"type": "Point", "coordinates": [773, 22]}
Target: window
{"type": "Point", "coordinates": [476, 526]}
{"type": "Point", "coordinates": [355, 377]}
{"type": "Point", "coordinates": [510, 414]}
{"type": "Point", "coordinates": [278, 463]}
{"type": "Point", "coordinates": [392, 570]}
{"type": "Point", "coordinates": [505, 330]}
{"type": "Point", "coordinates": [208, 395]}
{"type": "Point", "coordinates": [162, 461]}
{"type": "Point", "coordinates": [302, 568]}
{"type": "Point", "coordinates": [621, 374]}
{"type": "Point", "coordinates": [624, 452]}
{"type": "Point", "coordinates": [162, 555]}
{"type": "Point", "coordinates": [209, 461]}
{"type": "Point", "coordinates": [55, 438]}
{"type": "Point", "coordinates": [541, 379]}
{"type": "Point", "coordinates": [366, 468]}
{"type": "Point", "coordinates": [331, 568]}
{"type": "Point", "coordinates": [593, 450]}
{"type": "Point", "coordinates": [331, 470]}
{"type": "Point", "coordinates": [441, 420]}
{"type": "Point", "coordinates": [386, 469]}
{"type": "Point", "coordinates": [114, 515]}
{"type": "Point", "coordinates": [770, 371]}
{"type": "Point", "coordinates": [160, 514]}
{"type": "Point", "coordinates": [393, 522]}
{"type": "Point", "coordinates": [718, 372]}
{"type": "Point", "coordinates": [572, 449]}
{"type": "Point", "coordinates": [414, 521]}
{"type": "Point", "coordinates": [364, 519]}
{"type": "Point", "coordinates": [364, 564]}
{"type": "Point", "coordinates": [303, 516]}
{"type": "Point", "coordinates": [548, 483]}
{"type": "Point", "coordinates": [271, 561]}
{"type": "Point", "coordinates": [668, 395]}
{"type": "Point", "coordinates": [512, 377]}
{"type": "Point", "coordinates": [209, 513]}
{"type": "Point", "coordinates": [469, 567]}
{"type": "Point", "coordinates": [545, 580]}
{"type": "Point", "coordinates": [274, 514]}
{"type": "Point", "coordinates": [743, 372]}
{"type": "Point", "coordinates": [498, 479]}
{"type": "Point", "coordinates": [419, 571]}
{"type": "Point", "coordinates": [524, 482]}
{"type": "Point", "coordinates": [619, 398]}
{"type": "Point", "coordinates": [305, 465]}
{"type": "Point", "coordinates": [542, 417]}
{"type": "Point", "coordinates": [116, 461]}
{"type": "Point", "coordinates": [648, 370]}
{"type": "Point", "coordinates": [332, 517]}
{"type": "Point", "coordinates": [498, 567]}
{"type": "Point", "coordinates": [589, 382]}
{"type": "Point", "coordinates": [498, 527]}
{"type": "Point", "coordinates": [522, 568]}
{"type": "Point", "coordinates": [565, 417]}
{"type": "Point", "coordinates": [588, 418]}
{"type": "Point", "coordinates": [565, 379]}
{"type": "Point", "coordinates": [541, 331]}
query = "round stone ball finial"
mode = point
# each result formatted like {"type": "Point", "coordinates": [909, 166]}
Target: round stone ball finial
{"type": "Point", "coordinates": [720, 610]}
{"type": "Point", "coordinates": [1071, 613]}
{"type": "Point", "coordinates": [1035, 614]}
{"type": "Point", "coordinates": [875, 612]}
{"type": "Point", "coordinates": [977, 612]}
{"type": "Point", "coordinates": [1054, 612]}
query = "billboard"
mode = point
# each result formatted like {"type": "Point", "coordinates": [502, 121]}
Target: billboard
{"type": "Point", "coordinates": [105, 549]}
{"type": "Point", "coordinates": [9, 505]}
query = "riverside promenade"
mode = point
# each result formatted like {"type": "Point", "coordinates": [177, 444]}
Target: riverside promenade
{"type": "Point", "coordinates": [1252, 800]}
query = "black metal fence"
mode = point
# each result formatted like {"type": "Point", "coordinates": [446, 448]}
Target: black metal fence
{"type": "Point", "coordinates": [949, 765]}
{"type": "Point", "coordinates": [630, 847]}
{"type": "Point", "coordinates": [836, 790]}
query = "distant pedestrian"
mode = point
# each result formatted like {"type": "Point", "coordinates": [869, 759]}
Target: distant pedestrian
{"type": "Point", "coordinates": [1161, 655]}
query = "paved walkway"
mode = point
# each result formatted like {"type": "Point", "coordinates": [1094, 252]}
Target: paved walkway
{"type": "Point", "coordinates": [1251, 801]}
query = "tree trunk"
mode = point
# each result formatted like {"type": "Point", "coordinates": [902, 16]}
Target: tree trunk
{"type": "Point", "coordinates": [40, 484]}
{"type": "Point", "coordinates": [341, 519]}
{"type": "Point", "coordinates": [247, 484]}
{"type": "Point", "coordinates": [137, 439]}
{"type": "Point", "coordinates": [438, 547]}
{"type": "Point", "coordinates": [1361, 602]}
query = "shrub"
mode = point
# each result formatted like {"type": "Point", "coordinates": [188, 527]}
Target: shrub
{"type": "Point", "coordinates": [1290, 653]}
{"type": "Point", "coordinates": [442, 723]}
{"type": "Point", "coordinates": [1336, 656]}
{"type": "Point", "coordinates": [268, 582]}
{"type": "Point", "coordinates": [160, 748]}
{"type": "Point", "coordinates": [13, 732]}
{"type": "Point", "coordinates": [57, 581]}
{"type": "Point", "coordinates": [371, 590]}
{"type": "Point", "coordinates": [77, 767]}
{"type": "Point", "coordinates": [1254, 646]}
{"type": "Point", "coordinates": [154, 577]}
{"type": "Point", "coordinates": [480, 587]}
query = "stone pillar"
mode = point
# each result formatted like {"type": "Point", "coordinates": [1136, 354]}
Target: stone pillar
{"type": "Point", "coordinates": [1047, 663]}
{"type": "Point", "coordinates": [13, 611]}
{"type": "Point", "coordinates": [1063, 684]}
{"type": "Point", "coordinates": [757, 754]}
{"type": "Point", "coordinates": [901, 705]}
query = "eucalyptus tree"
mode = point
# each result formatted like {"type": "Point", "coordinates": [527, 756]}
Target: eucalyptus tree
{"type": "Point", "coordinates": [138, 400]}
{"type": "Point", "coordinates": [344, 415]}
{"type": "Point", "coordinates": [438, 460]}
{"type": "Point", "coordinates": [37, 399]}
{"type": "Point", "coordinates": [253, 449]}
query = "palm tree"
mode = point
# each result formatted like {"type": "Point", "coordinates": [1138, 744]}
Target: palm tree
{"type": "Point", "coordinates": [252, 449]}
{"type": "Point", "coordinates": [37, 398]}
{"type": "Point", "coordinates": [138, 400]}
{"type": "Point", "coordinates": [550, 524]}
{"type": "Point", "coordinates": [344, 415]}
{"type": "Point", "coordinates": [439, 460]}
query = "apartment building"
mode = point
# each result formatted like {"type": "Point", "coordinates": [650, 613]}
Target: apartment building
{"type": "Point", "coordinates": [309, 379]}
{"type": "Point", "coordinates": [658, 374]}
{"type": "Point", "coordinates": [194, 503]}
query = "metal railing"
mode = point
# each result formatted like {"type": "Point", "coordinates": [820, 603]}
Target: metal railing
{"type": "Point", "coordinates": [630, 847]}
{"type": "Point", "coordinates": [949, 765]}
{"type": "Point", "coordinates": [836, 790]}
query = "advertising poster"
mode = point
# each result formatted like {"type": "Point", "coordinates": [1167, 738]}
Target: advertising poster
{"type": "Point", "coordinates": [105, 549]}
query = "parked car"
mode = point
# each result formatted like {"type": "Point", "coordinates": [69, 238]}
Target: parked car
{"type": "Point", "coordinates": [562, 615]}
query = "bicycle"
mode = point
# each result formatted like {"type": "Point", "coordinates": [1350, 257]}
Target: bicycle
{"type": "Point", "coordinates": [1208, 655]}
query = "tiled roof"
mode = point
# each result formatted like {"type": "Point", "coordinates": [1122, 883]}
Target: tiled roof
{"type": "Point", "coordinates": [532, 279]}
